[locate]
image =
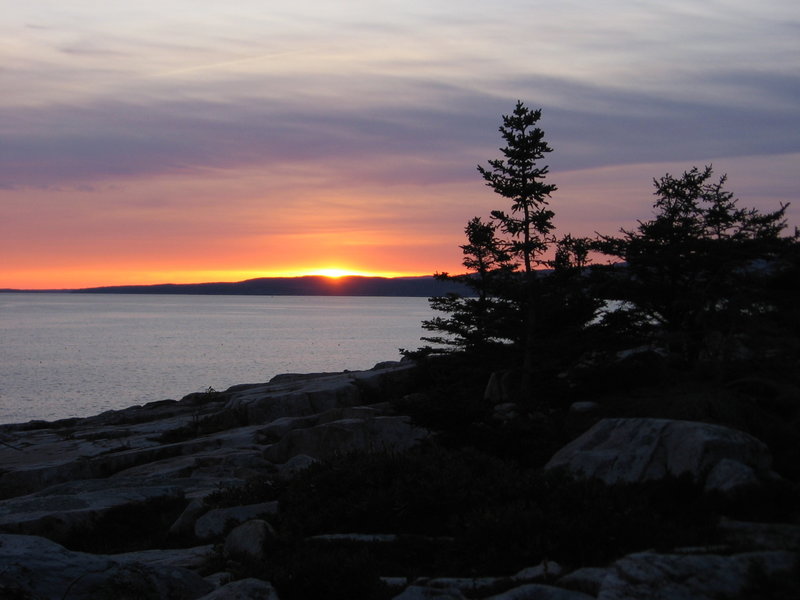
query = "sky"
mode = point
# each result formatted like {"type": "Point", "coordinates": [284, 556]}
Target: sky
{"type": "Point", "coordinates": [198, 140]}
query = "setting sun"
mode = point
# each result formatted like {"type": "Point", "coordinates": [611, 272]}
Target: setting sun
{"type": "Point", "coordinates": [335, 273]}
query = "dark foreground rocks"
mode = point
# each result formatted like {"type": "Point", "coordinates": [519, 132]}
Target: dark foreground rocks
{"type": "Point", "coordinates": [34, 567]}
{"type": "Point", "coordinates": [625, 450]}
{"type": "Point", "coordinates": [118, 505]}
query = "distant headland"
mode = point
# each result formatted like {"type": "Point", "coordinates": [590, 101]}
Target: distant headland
{"type": "Point", "coordinates": [309, 285]}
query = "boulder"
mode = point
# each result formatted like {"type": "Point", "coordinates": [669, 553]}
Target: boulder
{"type": "Point", "coordinates": [630, 450]}
{"type": "Point", "coordinates": [347, 435]}
{"type": "Point", "coordinates": [184, 524]}
{"type": "Point", "coordinates": [587, 580]}
{"type": "Point", "coordinates": [469, 586]}
{"type": "Point", "coordinates": [295, 465]}
{"type": "Point", "coordinates": [219, 579]}
{"type": "Point", "coordinates": [545, 570]}
{"type": "Point", "coordinates": [667, 576]}
{"type": "Point", "coordinates": [34, 567]}
{"type": "Point", "coordinates": [419, 592]}
{"type": "Point", "coordinates": [729, 475]}
{"type": "Point", "coordinates": [244, 589]}
{"type": "Point", "coordinates": [538, 591]}
{"type": "Point", "coordinates": [219, 520]}
{"type": "Point", "coordinates": [247, 542]}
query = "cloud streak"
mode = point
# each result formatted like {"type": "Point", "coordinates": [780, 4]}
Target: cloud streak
{"type": "Point", "coordinates": [111, 137]}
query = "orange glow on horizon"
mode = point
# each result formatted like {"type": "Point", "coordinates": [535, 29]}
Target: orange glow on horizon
{"type": "Point", "coordinates": [337, 273]}
{"type": "Point", "coordinates": [175, 229]}
{"type": "Point", "coordinates": [68, 280]}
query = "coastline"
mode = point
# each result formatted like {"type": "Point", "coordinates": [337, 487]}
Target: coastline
{"type": "Point", "coordinates": [181, 495]}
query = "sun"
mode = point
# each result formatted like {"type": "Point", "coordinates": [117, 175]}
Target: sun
{"type": "Point", "coordinates": [333, 273]}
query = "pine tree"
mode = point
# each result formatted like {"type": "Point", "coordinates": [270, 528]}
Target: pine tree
{"type": "Point", "coordinates": [519, 178]}
{"type": "Point", "coordinates": [475, 323]}
{"type": "Point", "coordinates": [503, 258]}
{"type": "Point", "coordinates": [697, 267]}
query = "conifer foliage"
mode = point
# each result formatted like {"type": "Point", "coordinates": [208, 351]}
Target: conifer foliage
{"type": "Point", "coordinates": [519, 178]}
{"type": "Point", "coordinates": [503, 255]}
{"type": "Point", "coordinates": [697, 270]}
{"type": "Point", "coordinates": [476, 323]}
{"type": "Point", "coordinates": [692, 280]}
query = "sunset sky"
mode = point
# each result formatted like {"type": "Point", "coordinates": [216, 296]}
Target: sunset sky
{"type": "Point", "coordinates": [197, 140]}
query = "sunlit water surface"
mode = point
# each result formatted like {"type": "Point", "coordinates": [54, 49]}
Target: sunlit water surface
{"type": "Point", "coordinates": [67, 355]}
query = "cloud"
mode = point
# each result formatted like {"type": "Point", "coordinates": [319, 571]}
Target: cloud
{"type": "Point", "coordinates": [419, 129]}
{"type": "Point", "coordinates": [158, 89]}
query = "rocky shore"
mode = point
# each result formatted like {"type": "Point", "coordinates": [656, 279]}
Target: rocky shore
{"type": "Point", "coordinates": [121, 505]}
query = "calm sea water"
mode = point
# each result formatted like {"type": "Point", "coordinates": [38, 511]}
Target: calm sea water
{"type": "Point", "coordinates": [75, 355]}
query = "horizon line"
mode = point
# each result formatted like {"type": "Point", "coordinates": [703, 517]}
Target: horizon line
{"type": "Point", "coordinates": [318, 275]}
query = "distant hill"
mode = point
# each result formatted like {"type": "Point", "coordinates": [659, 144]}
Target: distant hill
{"type": "Point", "coordinates": [311, 285]}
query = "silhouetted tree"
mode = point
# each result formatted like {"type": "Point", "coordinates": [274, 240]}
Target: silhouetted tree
{"type": "Point", "coordinates": [519, 178]}
{"type": "Point", "coordinates": [571, 255]}
{"type": "Point", "coordinates": [697, 266]}
{"type": "Point", "coordinates": [566, 300]}
{"type": "Point", "coordinates": [475, 323]}
{"type": "Point", "coordinates": [526, 300]}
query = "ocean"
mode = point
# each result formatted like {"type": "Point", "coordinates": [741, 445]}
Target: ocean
{"type": "Point", "coordinates": [76, 355]}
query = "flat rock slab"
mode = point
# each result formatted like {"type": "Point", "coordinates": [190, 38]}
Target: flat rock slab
{"type": "Point", "coordinates": [671, 577]}
{"type": "Point", "coordinates": [59, 512]}
{"type": "Point", "coordinates": [244, 589]}
{"type": "Point", "coordinates": [60, 479]}
{"type": "Point", "coordinates": [302, 395]}
{"type": "Point", "coordinates": [347, 435]}
{"type": "Point", "coordinates": [186, 558]}
{"type": "Point", "coordinates": [37, 455]}
{"type": "Point", "coordinates": [761, 536]}
{"type": "Point", "coordinates": [538, 591]}
{"type": "Point", "coordinates": [38, 568]}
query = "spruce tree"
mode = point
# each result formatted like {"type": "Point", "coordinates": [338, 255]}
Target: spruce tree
{"type": "Point", "coordinates": [696, 270]}
{"type": "Point", "coordinates": [518, 305]}
{"type": "Point", "coordinates": [519, 178]}
{"type": "Point", "coordinates": [475, 323]}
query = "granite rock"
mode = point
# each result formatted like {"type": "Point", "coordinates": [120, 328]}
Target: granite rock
{"type": "Point", "coordinates": [630, 450]}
